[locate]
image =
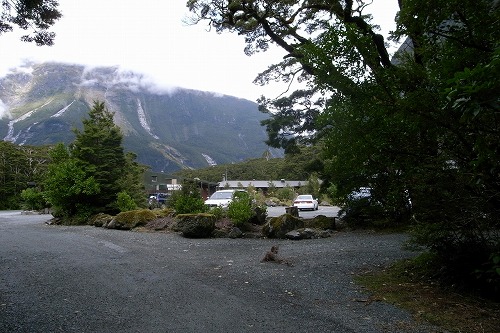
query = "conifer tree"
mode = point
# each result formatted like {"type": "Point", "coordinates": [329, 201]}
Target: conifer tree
{"type": "Point", "coordinates": [99, 149]}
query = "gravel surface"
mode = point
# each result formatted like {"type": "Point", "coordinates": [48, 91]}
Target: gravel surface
{"type": "Point", "coordinates": [87, 279]}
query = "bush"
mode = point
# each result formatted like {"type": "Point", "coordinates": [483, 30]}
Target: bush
{"type": "Point", "coordinates": [125, 202]}
{"type": "Point", "coordinates": [240, 209]}
{"type": "Point", "coordinates": [33, 199]}
{"type": "Point", "coordinates": [285, 194]}
{"type": "Point", "coordinates": [362, 213]}
{"type": "Point", "coordinates": [218, 212]}
{"type": "Point", "coordinates": [188, 200]}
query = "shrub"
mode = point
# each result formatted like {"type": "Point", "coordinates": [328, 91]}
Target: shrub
{"type": "Point", "coordinates": [33, 199]}
{"type": "Point", "coordinates": [188, 200]}
{"type": "Point", "coordinates": [285, 194]}
{"type": "Point", "coordinates": [125, 202]}
{"type": "Point", "coordinates": [240, 209]}
{"type": "Point", "coordinates": [218, 212]}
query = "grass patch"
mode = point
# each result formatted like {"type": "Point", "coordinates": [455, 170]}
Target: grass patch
{"type": "Point", "coordinates": [428, 301]}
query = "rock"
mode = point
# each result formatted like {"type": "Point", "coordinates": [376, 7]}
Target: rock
{"type": "Point", "coordinates": [307, 233]}
{"type": "Point", "coordinates": [259, 217]}
{"type": "Point", "coordinates": [321, 222]}
{"type": "Point", "coordinates": [100, 220]}
{"type": "Point", "coordinates": [131, 219]}
{"type": "Point", "coordinates": [196, 225]}
{"type": "Point", "coordinates": [277, 227]}
{"type": "Point", "coordinates": [293, 235]}
{"type": "Point", "coordinates": [235, 233]}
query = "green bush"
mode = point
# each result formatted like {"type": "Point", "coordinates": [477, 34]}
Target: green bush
{"type": "Point", "coordinates": [33, 199]}
{"type": "Point", "coordinates": [188, 200]}
{"type": "Point", "coordinates": [240, 209]}
{"type": "Point", "coordinates": [218, 212]}
{"type": "Point", "coordinates": [285, 194]}
{"type": "Point", "coordinates": [188, 205]}
{"type": "Point", "coordinates": [125, 202]}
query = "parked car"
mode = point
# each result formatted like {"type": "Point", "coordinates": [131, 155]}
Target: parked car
{"type": "Point", "coordinates": [158, 199]}
{"type": "Point", "coordinates": [306, 201]}
{"type": "Point", "coordinates": [220, 198]}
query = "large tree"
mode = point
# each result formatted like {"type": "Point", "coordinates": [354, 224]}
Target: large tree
{"type": "Point", "coordinates": [35, 15]}
{"type": "Point", "coordinates": [87, 177]}
{"type": "Point", "coordinates": [421, 130]}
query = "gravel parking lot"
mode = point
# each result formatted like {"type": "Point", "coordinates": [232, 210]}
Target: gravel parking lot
{"type": "Point", "coordinates": [87, 279]}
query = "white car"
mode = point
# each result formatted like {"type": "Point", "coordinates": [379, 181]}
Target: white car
{"type": "Point", "coordinates": [306, 201]}
{"type": "Point", "coordinates": [220, 198]}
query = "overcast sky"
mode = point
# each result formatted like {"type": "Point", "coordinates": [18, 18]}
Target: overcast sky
{"type": "Point", "coordinates": [149, 37]}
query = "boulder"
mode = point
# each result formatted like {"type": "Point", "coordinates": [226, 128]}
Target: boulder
{"type": "Point", "coordinates": [196, 225]}
{"type": "Point", "coordinates": [259, 216]}
{"type": "Point", "coordinates": [307, 233]}
{"type": "Point", "coordinates": [100, 220]}
{"type": "Point", "coordinates": [321, 222]}
{"type": "Point", "coordinates": [235, 233]}
{"type": "Point", "coordinates": [131, 219]}
{"type": "Point", "coordinates": [277, 227]}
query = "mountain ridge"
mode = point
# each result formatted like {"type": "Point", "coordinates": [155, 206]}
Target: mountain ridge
{"type": "Point", "coordinates": [168, 129]}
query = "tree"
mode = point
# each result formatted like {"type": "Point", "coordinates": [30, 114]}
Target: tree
{"type": "Point", "coordinates": [422, 131]}
{"type": "Point", "coordinates": [99, 150]}
{"type": "Point", "coordinates": [20, 167]}
{"type": "Point", "coordinates": [68, 187]}
{"type": "Point", "coordinates": [87, 177]}
{"type": "Point", "coordinates": [38, 15]}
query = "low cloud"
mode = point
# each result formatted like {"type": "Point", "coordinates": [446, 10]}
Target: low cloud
{"type": "Point", "coordinates": [4, 110]}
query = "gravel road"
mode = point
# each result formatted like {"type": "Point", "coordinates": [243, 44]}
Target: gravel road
{"type": "Point", "coordinates": [87, 279]}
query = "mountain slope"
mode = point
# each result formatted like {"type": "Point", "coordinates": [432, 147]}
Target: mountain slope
{"type": "Point", "coordinates": [168, 129]}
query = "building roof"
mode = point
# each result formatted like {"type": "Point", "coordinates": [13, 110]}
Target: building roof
{"type": "Point", "coordinates": [262, 183]}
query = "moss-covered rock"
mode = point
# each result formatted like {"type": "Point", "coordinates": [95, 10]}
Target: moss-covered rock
{"type": "Point", "coordinates": [277, 227]}
{"type": "Point", "coordinates": [100, 220]}
{"type": "Point", "coordinates": [131, 219]}
{"type": "Point", "coordinates": [196, 225]}
{"type": "Point", "coordinates": [321, 222]}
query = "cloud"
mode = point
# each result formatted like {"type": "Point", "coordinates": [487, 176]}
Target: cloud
{"type": "Point", "coordinates": [4, 110]}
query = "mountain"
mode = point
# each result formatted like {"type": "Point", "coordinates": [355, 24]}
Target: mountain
{"type": "Point", "coordinates": [168, 129]}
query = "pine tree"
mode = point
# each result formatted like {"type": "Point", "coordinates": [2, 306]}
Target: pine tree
{"type": "Point", "coordinates": [99, 149]}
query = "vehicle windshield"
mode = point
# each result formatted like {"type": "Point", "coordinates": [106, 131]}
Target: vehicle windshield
{"type": "Point", "coordinates": [221, 195]}
{"type": "Point", "coordinates": [304, 197]}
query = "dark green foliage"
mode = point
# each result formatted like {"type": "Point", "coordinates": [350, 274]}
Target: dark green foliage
{"type": "Point", "coordinates": [422, 131]}
{"type": "Point", "coordinates": [68, 186]}
{"type": "Point", "coordinates": [98, 147]}
{"type": "Point", "coordinates": [35, 15]}
{"type": "Point", "coordinates": [20, 168]}
{"type": "Point", "coordinates": [86, 179]}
